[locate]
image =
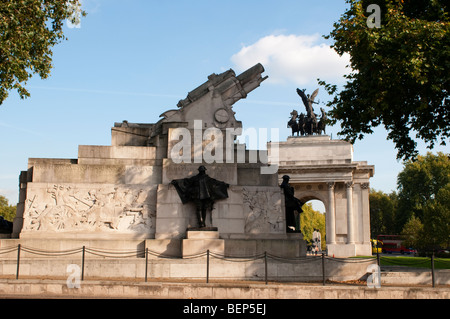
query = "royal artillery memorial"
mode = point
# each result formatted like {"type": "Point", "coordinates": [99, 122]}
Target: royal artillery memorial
{"type": "Point", "coordinates": [133, 194]}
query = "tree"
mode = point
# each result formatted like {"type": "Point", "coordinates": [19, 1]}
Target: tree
{"type": "Point", "coordinates": [413, 233]}
{"type": "Point", "coordinates": [418, 184]}
{"type": "Point", "coordinates": [7, 211]}
{"type": "Point", "coordinates": [400, 73]}
{"type": "Point", "coordinates": [28, 31]}
{"type": "Point", "coordinates": [436, 220]}
{"type": "Point", "coordinates": [434, 232]}
{"type": "Point", "coordinates": [382, 213]}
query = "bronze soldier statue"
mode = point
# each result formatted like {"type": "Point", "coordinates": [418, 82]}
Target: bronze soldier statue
{"type": "Point", "coordinates": [202, 190]}
{"type": "Point", "coordinates": [292, 204]}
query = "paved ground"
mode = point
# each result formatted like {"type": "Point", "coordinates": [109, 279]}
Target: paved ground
{"type": "Point", "coordinates": [56, 288]}
{"type": "Point", "coordinates": [112, 288]}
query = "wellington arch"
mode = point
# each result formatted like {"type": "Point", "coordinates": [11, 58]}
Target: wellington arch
{"type": "Point", "coordinates": [323, 169]}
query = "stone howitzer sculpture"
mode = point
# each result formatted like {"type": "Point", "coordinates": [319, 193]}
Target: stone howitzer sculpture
{"type": "Point", "coordinates": [212, 101]}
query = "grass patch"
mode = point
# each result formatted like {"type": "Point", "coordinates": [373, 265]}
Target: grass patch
{"type": "Point", "coordinates": [414, 262]}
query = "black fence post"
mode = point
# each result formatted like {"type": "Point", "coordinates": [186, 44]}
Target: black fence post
{"type": "Point", "coordinates": [378, 257]}
{"type": "Point", "coordinates": [265, 266]}
{"type": "Point", "coordinates": [432, 270]}
{"type": "Point", "coordinates": [82, 263]}
{"type": "Point", "coordinates": [18, 261]}
{"type": "Point", "coordinates": [323, 269]}
{"type": "Point", "coordinates": [207, 266]}
{"type": "Point", "coordinates": [146, 263]}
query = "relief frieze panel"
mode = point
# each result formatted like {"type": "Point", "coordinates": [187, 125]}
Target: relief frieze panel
{"type": "Point", "coordinates": [67, 208]}
{"type": "Point", "coordinates": [262, 211]}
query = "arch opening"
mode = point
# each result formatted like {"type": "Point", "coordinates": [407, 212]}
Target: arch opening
{"type": "Point", "coordinates": [313, 225]}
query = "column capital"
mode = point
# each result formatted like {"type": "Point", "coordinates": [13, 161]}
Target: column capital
{"type": "Point", "coordinates": [331, 185]}
{"type": "Point", "coordinates": [349, 184]}
{"type": "Point", "coordinates": [365, 185]}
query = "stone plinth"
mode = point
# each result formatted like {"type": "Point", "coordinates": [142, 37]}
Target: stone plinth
{"type": "Point", "coordinates": [199, 233]}
{"type": "Point", "coordinates": [318, 149]}
{"type": "Point", "coordinates": [199, 241]}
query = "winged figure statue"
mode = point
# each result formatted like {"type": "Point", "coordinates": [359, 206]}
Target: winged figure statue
{"type": "Point", "coordinates": [308, 101]}
{"type": "Point", "coordinates": [308, 124]}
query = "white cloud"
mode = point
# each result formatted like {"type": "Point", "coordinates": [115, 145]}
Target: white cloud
{"type": "Point", "coordinates": [293, 58]}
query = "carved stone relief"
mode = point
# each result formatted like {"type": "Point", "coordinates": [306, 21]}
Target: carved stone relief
{"type": "Point", "coordinates": [64, 208]}
{"type": "Point", "coordinates": [263, 213]}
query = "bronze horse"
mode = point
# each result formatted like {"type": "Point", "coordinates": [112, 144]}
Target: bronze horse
{"type": "Point", "coordinates": [297, 126]}
{"type": "Point", "coordinates": [308, 124]}
{"type": "Point", "coordinates": [303, 125]}
{"type": "Point", "coordinates": [322, 123]}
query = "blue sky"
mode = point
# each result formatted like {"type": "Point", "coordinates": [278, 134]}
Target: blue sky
{"type": "Point", "coordinates": [133, 60]}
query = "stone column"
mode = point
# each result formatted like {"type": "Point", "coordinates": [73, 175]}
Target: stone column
{"type": "Point", "coordinates": [331, 231]}
{"type": "Point", "coordinates": [350, 231]}
{"type": "Point", "coordinates": [365, 187]}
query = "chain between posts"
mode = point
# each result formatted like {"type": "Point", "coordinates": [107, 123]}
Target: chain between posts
{"type": "Point", "coordinates": [145, 253]}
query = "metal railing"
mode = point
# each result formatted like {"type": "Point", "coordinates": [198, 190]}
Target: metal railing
{"type": "Point", "coordinates": [145, 253]}
{"type": "Point", "coordinates": [420, 262]}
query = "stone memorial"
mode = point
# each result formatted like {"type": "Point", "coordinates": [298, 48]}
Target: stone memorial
{"type": "Point", "coordinates": [127, 195]}
{"type": "Point", "coordinates": [149, 188]}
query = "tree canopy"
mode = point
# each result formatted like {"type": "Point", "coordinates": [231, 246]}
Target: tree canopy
{"type": "Point", "coordinates": [400, 73]}
{"type": "Point", "coordinates": [382, 213]}
{"type": "Point", "coordinates": [28, 31]}
{"type": "Point", "coordinates": [7, 211]}
{"type": "Point", "coordinates": [420, 209]}
{"type": "Point", "coordinates": [433, 231]}
{"type": "Point", "coordinates": [419, 183]}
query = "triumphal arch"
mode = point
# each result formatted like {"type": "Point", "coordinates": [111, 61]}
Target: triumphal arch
{"type": "Point", "coordinates": [323, 169]}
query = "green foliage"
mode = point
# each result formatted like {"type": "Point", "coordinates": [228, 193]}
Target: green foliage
{"type": "Point", "coordinates": [7, 211]}
{"type": "Point", "coordinates": [419, 184]}
{"type": "Point", "coordinates": [420, 211]}
{"type": "Point", "coordinates": [436, 220]}
{"type": "Point", "coordinates": [382, 213]}
{"type": "Point", "coordinates": [28, 31]}
{"type": "Point", "coordinates": [309, 220]}
{"type": "Point", "coordinates": [423, 212]}
{"type": "Point", "coordinates": [412, 233]}
{"type": "Point", "coordinates": [400, 73]}
{"type": "Point", "coordinates": [415, 262]}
